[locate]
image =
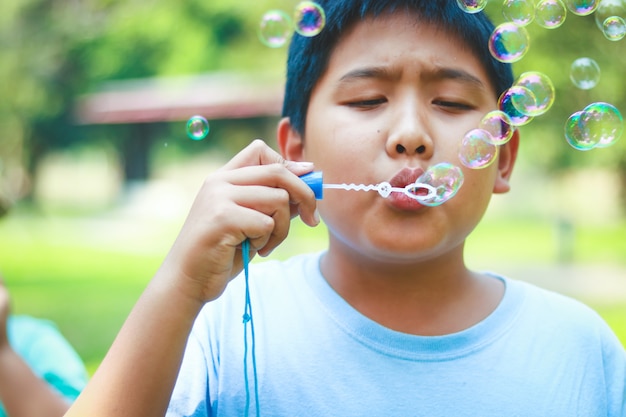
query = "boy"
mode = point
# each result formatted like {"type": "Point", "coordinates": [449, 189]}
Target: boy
{"type": "Point", "coordinates": [388, 321]}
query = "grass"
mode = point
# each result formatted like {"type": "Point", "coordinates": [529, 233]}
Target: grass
{"type": "Point", "coordinates": [86, 274]}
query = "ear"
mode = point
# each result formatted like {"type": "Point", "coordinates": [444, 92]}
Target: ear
{"type": "Point", "coordinates": [290, 142]}
{"type": "Point", "coordinates": [506, 162]}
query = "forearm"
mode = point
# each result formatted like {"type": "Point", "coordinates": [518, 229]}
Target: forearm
{"type": "Point", "coordinates": [23, 393]}
{"type": "Point", "coordinates": [138, 374]}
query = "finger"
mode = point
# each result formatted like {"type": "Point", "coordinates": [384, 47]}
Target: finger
{"type": "Point", "coordinates": [273, 202]}
{"type": "Point", "coordinates": [256, 153]}
{"type": "Point", "coordinates": [301, 197]}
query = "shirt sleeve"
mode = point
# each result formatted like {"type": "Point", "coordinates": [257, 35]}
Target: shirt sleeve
{"type": "Point", "coordinates": [614, 356]}
{"type": "Point", "coordinates": [190, 397]}
{"type": "Point", "coordinates": [49, 354]}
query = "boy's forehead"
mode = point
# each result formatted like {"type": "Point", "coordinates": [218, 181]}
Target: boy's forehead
{"type": "Point", "coordinates": [373, 40]}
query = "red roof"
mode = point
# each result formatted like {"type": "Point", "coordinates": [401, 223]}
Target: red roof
{"type": "Point", "coordinates": [214, 96]}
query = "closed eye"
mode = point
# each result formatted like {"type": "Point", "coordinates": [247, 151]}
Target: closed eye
{"type": "Point", "coordinates": [369, 103]}
{"type": "Point", "coordinates": [453, 105]}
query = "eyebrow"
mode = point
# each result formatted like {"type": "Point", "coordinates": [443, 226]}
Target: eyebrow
{"type": "Point", "coordinates": [455, 74]}
{"type": "Point", "coordinates": [437, 74]}
{"type": "Point", "coordinates": [367, 72]}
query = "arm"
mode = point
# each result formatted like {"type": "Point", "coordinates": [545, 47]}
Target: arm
{"type": "Point", "coordinates": [253, 197]}
{"type": "Point", "coordinates": [21, 391]}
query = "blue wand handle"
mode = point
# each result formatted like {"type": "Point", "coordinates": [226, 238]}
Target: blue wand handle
{"type": "Point", "coordinates": [315, 181]}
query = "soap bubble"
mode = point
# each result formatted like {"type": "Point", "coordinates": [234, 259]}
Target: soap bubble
{"type": "Point", "coordinates": [550, 13]}
{"type": "Point", "coordinates": [509, 42]}
{"type": "Point", "coordinates": [477, 151]}
{"type": "Point", "coordinates": [582, 7]}
{"type": "Point", "coordinates": [602, 124]}
{"type": "Point", "coordinates": [575, 135]}
{"type": "Point", "coordinates": [309, 18]}
{"type": "Point", "coordinates": [197, 128]}
{"type": "Point", "coordinates": [499, 126]}
{"type": "Point", "coordinates": [585, 73]}
{"type": "Point", "coordinates": [523, 100]}
{"type": "Point", "coordinates": [472, 6]}
{"type": "Point", "coordinates": [609, 8]}
{"type": "Point", "coordinates": [505, 104]}
{"type": "Point", "coordinates": [542, 88]}
{"type": "Point", "coordinates": [447, 180]}
{"type": "Point", "coordinates": [275, 29]}
{"type": "Point", "coordinates": [520, 12]}
{"type": "Point", "coordinates": [614, 28]}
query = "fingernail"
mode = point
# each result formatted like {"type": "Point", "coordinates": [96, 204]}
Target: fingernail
{"type": "Point", "coordinates": [316, 216]}
{"type": "Point", "coordinates": [301, 164]}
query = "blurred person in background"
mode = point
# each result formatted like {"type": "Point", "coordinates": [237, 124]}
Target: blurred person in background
{"type": "Point", "coordinates": [40, 373]}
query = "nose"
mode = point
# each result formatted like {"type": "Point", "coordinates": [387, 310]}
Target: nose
{"type": "Point", "coordinates": [409, 134]}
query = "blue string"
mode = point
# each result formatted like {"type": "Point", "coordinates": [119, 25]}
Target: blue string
{"type": "Point", "coordinates": [247, 319]}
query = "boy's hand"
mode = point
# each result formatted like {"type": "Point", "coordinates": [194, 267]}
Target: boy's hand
{"type": "Point", "coordinates": [253, 197]}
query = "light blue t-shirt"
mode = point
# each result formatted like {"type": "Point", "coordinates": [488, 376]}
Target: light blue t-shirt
{"type": "Point", "coordinates": [538, 354]}
{"type": "Point", "coordinates": [48, 354]}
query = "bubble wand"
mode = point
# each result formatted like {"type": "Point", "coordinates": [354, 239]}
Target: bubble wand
{"type": "Point", "coordinates": [436, 186]}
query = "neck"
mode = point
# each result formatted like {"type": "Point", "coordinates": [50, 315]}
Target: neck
{"type": "Point", "coordinates": [427, 297]}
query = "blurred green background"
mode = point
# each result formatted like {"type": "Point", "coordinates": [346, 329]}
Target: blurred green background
{"type": "Point", "coordinates": [95, 205]}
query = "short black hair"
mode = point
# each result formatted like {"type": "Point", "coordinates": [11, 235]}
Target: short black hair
{"type": "Point", "coordinates": [308, 56]}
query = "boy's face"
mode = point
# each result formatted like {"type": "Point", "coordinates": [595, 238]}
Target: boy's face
{"type": "Point", "coordinates": [397, 98]}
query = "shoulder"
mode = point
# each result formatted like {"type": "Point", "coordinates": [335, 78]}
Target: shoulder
{"type": "Point", "coordinates": [562, 318]}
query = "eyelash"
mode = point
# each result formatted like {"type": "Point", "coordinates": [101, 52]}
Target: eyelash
{"type": "Point", "coordinates": [453, 105]}
{"type": "Point", "coordinates": [367, 103]}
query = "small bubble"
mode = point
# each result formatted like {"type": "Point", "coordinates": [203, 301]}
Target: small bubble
{"type": "Point", "coordinates": [309, 18]}
{"type": "Point", "coordinates": [509, 42]}
{"type": "Point", "coordinates": [609, 8]}
{"type": "Point", "coordinates": [499, 126]}
{"type": "Point", "coordinates": [472, 6]}
{"type": "Point", "coordinates": [585, 73]}
{"type": "Point", "coordinates": [520, 12]}
{"type": "Point", "coordinates": [582, 7]}
{"type": "Point", "coordinates": [275, 29]}
{"type": "Point", "coordinates": [197, 128]}
{"type": "Point", "coordinates": [542, 88]}
{"type": "Point", "coordinates": [614, 28]}
{"type": "Point", "coordinates": [505, 104]}
{"type": "Point", "coordinates": [477, 151]}
{"type": "Point", "coordinates": [550, 14]}
{"type": "Point", "coordinates": [446, 178]}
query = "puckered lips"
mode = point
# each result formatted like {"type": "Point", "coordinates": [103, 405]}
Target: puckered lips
{"type": "Point", "coordinates": [401, 201]}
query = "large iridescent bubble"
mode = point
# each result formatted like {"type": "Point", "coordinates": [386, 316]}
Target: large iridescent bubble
{"type": "Point", "coordinates": [543, 90]}
{"type": "Point", "coordinates": [505, 104]}
{"type": "Point", "coordinates": [598, 125]}
{"type": "Point", "coordinates": [509, 42]}
{"type": "Point", "coordinates": [447, 180]}
{"type": "Point", "coordinates": [499, 126]}
{"type": "Point", "coordinates": [477, 150]}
